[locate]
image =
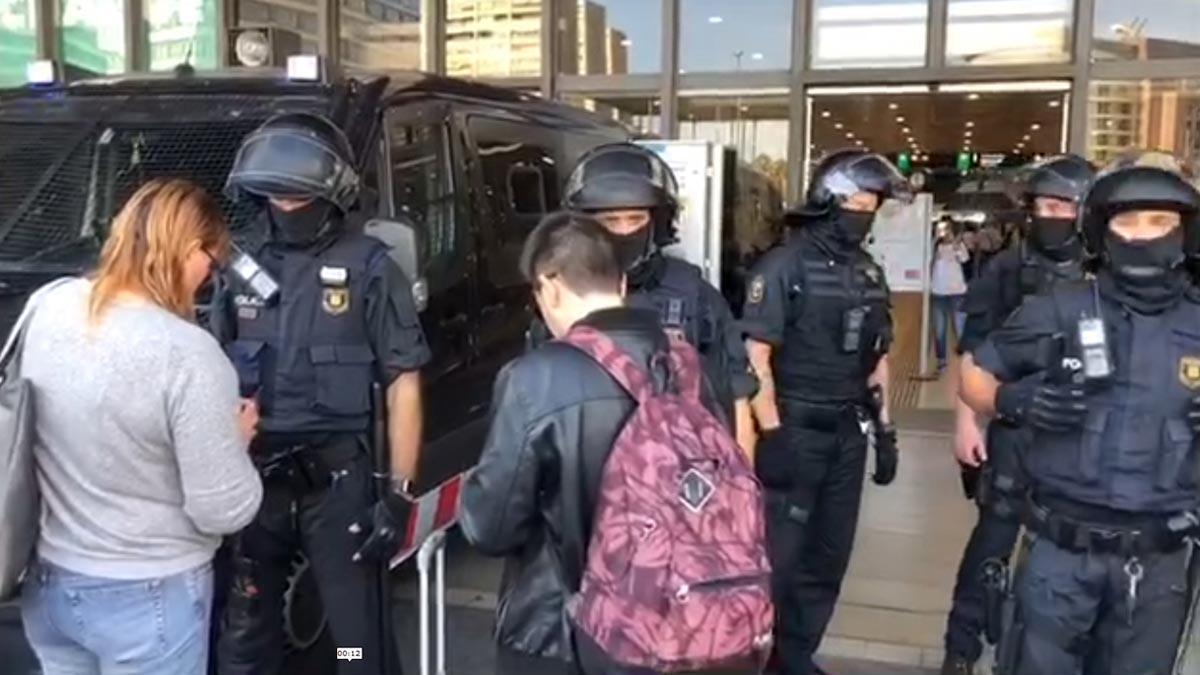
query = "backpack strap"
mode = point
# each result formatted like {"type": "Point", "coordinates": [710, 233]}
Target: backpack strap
{"type": "Point", "coordinates": [685, 370]}
{"type": "Point", "coordinates": [630, 374]}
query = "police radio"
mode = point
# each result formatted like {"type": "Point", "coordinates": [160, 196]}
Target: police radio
{"type": "Point", "coordinates": [249, 272]}
{"type": "Point", "coordinates": [1093, 348]}
{"type": "Point", "coordinates": [852, 325]}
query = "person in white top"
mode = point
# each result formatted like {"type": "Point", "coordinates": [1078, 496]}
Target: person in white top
{"type": "Point", "coordinates": [948, 288]}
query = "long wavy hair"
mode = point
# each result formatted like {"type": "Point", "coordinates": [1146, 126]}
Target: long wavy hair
{"type": "Point", "coordinates": [161, 225]}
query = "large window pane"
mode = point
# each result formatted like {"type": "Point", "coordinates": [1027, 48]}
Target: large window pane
{"type": "Point", "coordinates": [494, 38]}
{"type": "Point", "coordinates": [756, 127]}
{"type": "Point", "coordinates": [93, 35]}
{"type": "Point", "coordinates": [609, 37]}
{"type": "Point", "coordinates": [18, 41]}
{"type": "Point", "coordinates": [643, 115]}
{"type": "Point", "coordinates": [734, 35]}
{"type": "Point", "coordinates": [1147, 29]}
{"type": "Point", "coordinates": [296, 16]}
{"type": "Point", "coordinates": [382, 34]}
{"type": "Point", "coordinates": [182, 31]}
{"type": "Point", "coordinates": [1151, 114]}
{"type": "Point", "coordinates": [869, 33]}
{"type": "Point", "coordinates": [989, 32]}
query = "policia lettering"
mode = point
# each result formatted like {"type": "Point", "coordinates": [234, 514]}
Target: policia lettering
{"type": "Point", "coordinates": [819, 327]}
{"type": "Point", "coordinates": [1050, 254]}
{"type": "Point", "coordinates": [632, 192]}
{"type": "Point", "coordinates": [341, 321]}
{"type": "Point", "coordinates": [1113, 488]}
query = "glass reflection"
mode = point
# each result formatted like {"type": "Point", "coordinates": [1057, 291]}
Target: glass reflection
{"type": "Point", "coordinates": [730, 36]}
{"type": "Point", "coordinates": [609, 37]}
{"type": "Point", "coordinates": [1146, 30]}
{"type": "Point", "coordinates": [993, 32]}
{"type": "Point", "coordinates": [869, 33]}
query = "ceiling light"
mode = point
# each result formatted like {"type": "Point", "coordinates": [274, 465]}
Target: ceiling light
{"type": "Point", "coordinates": [966, 148]}
{"type": "Point", "coordinates": [838, 125]}
{"type": "Point", "coordinates": [967, 134]}
{"type": "Point", "coordinates": [1021, 145]}
{"type": "Point", "coordinates": [900, 119]}
{"type": "Point", "coordinates": [745, 108]}
{"type": "Point", "coordinates": [911, 139]}
{"type": "Point", "coordinates": [1026, 137]}
{"type": "Point", "coordinates": [757, 56]}
{"type": "Point", "coordinates": [858, 143]}
{"type": "Point", "coordinates": [825, 113]}
{"type": "Point", "coordinates": [1054, 104]}
{"type": "Point", "coordinates": [893, 106]}
{"type": "Point", "coordinates": [1035, 126]}
{"type": "Point", "coordinates": [970, 124]}
{"type": "Point", "coordinates": [972, 97]}
{"type": "Point", "coordinates": [906, 130]}
{"type": "Point", "coordinates": [715, 19]}
{"type": "Point", "coordinates": [849, 134]}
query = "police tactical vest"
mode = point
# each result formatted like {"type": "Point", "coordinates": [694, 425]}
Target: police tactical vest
{"type": "Point", "coordinates": [677, 296]}
{"type": "Point", "coordinates": [1134, 451]}
{"type": "Point", "coordinates": [1038, 274]}
{"type": "Point", "coordinates": [822, 359]}
{"type": "Point", "coordinates": [307, 355]}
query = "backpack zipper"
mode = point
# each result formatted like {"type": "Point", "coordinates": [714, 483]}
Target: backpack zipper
{"type": "Point", "coordinates": [684, 591]}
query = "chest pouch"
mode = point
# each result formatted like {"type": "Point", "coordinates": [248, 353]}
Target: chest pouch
{"type": "Point", "coordinates": [852, 328]}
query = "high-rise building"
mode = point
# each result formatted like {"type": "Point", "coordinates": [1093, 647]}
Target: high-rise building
{"type": "Point", "coordinates": [593, 45]}
{"type": "Point", "coordinates": [493, 38]}
{"type": "Point", "coordinates": [618, 51]}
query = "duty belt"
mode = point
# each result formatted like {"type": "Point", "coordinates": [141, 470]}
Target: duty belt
{"type": "Point", "coordinates": [1162, 536]}
{"type": "Point", "coordinates": [301, 466]}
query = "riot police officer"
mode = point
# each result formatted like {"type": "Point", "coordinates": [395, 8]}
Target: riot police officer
{"type": "Point", "coordinates": [338, 318]}
{"type": "Point", "coordinates": [1051, 252]}
{"type": "Point", "coordinates": [1106, 373]}
{"type": "Point", "coordinates": [632, 191]}
{"type": "Point", "coordinates": [818, 322]}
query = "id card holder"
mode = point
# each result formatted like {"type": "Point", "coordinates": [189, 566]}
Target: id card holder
{"type": "Point", "coordinates": [852, 325]}
{"type": "Point", "coordinates": [1093, 347]}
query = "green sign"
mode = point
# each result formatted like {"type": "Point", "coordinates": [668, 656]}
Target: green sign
{"type": "Point", "coordinates": [904, 163]}
{"type": "Point", "coordinates": [964, 162]}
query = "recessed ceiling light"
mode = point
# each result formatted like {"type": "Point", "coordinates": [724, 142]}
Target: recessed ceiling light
{"type": "Point", "coordinates": [825, 113]}
{"type": "Point", "coordinates": [893, 106]}
{"type": "Point", "coordinates": [1054, 104]}
{"type": "Point", "coordinates": [858, 143]}
{"type": "Point", "coordinates": [911, 139]}
{"type": "Point", "coordinates": [966, 141]}
{"type": "Point", "coordinates": [968, 134]}
{"type": "Point", "coordinates": [715, 19]}
{"type": "Point", "coordinates": [1026, 137]}
{"type": "Point", "coordinates": [745, 108]}
{"type": "Point", "coordinates": [970, 124]}
{"type": "Point", "coordinates": [849, 134]}
{"type": "Point", "coordinates": [757, 56]}
{"type": "Point", "coordinates": [906, 130]}
{"type": "Point", "coordinates": [972, 97]}
{"type": "Point", "coordinates": [1021, 145]}
{"type": "Point", "coordinates": [838, 125]}
{"type": "Point", "coordinates": [966, 148]}
{"type": "Point", "coordinates": [1035, 126]}
{"type": "Point", "coordinates": [900, 119]}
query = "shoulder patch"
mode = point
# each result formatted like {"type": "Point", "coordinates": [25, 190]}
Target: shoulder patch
{"type": "Point", "coordinates": [758, 288]}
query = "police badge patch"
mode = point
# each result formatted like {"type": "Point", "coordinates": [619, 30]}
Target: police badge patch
{"type": "Point", "coordinates": [335, 300]}
{"type": "Point", "coordinates": [758, 287]}
{"type": "Point", "coordinates": [1189, 372]}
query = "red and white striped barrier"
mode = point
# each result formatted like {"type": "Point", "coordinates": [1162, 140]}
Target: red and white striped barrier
{"type": "Point", "coordinates": [434, 511]}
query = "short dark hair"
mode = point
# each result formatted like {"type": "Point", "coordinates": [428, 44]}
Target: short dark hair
{"type": "Point", "coordinates": [574, 247]}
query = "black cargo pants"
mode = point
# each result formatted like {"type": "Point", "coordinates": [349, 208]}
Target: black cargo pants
{"type": "Point", "coordinates": [1074, 613]}
{"type": "Point", "coordinates": [810, 527]}
{"type": "Point", "coordinates": [1001, 495]}
{"type": "Point", "coordinates": [312, 515]}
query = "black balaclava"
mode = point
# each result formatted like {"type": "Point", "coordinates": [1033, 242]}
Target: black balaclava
{"type": "Point", "coordinates": [301, 227]}
{"type": "Point", "coordinates": [1146, 275]}
{"type": "Point", "coordinates": [1055, 238]}
{"type": "Point", "coordinates": [841, 232]}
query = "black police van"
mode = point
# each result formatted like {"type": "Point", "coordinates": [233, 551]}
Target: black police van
{"type": "Point", "coordinates": [462, 170]}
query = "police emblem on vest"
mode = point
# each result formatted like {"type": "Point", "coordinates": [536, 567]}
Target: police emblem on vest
{"type": "Point", "coordinates": [335, 292]}
{"type": "Point", "coordinates": [1189, 372]}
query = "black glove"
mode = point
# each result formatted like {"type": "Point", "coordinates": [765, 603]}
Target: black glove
{"type": "Point", "coordinates": [887, 455]}
{"type": "Point", "coordinates": [384, 524]}
{"type": "Point", "coordinates": [774, 462]}
{"type": "Point", "coordinates": [1053, 407]}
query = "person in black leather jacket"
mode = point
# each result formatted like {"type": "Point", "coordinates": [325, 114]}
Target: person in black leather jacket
{"type": "Point", "coordinates": [556, 414]}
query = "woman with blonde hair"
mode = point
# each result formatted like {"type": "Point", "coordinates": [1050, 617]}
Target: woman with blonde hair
{"type": "Point", "coordinates": [141, 447]}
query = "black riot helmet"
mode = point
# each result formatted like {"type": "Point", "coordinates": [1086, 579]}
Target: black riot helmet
{"type": "Point", "coordinates": [1064, 177]}
{"type": "Point", "coordinates": [1133, 186]}
{"type": "Point", "coordinates": [842, 173]}
{"type": "Point", "coordinates": [296, 156]}
{"type": "Point", "coordinates": [619, 176]}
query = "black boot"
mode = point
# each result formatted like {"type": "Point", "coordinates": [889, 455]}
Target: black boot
{"type": "Point", "coordinates": [957, 665]}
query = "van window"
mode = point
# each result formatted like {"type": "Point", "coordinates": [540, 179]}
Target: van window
{"type": "Point", "coordinates": [423, 185]}
{"type": "Point", "coordinates": [520, 174]}
{"type": "Point", "coordinates": [527, 189]}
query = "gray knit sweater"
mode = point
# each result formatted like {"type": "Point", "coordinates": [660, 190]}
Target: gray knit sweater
{"type": "Point", "coordinates": [140, 462]}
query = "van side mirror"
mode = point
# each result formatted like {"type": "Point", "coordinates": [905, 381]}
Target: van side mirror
{"type": "Point", "coordinates": [404, 247]}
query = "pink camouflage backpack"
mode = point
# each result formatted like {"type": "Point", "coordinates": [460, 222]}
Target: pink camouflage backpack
{"type": "Point", "coordinates": [677, 576]}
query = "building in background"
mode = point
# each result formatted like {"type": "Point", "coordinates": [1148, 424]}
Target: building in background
{"type": "Point", "coordinates": [494, 38]}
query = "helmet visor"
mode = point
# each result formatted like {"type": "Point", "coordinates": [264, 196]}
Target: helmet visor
{"type": "Point", "coordinates": [290, 166]}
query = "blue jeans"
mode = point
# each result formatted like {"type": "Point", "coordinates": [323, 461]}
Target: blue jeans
{"type": "Point", "coordinates": [946, 308]}
{"type": "Point", "coordinates": [81, 625]}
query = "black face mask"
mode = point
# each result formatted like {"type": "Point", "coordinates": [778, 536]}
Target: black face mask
{"type": "Point", "coordinates": [852, 227]}
{"type": "Point", "coordinates": [301, 227]}
{"type": "Point", "coordinates": [631, 249]}
{"type": "Point", "coordinates": [1146, 274]}
{"type": "Point", "coordinates": [1055, 238]}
